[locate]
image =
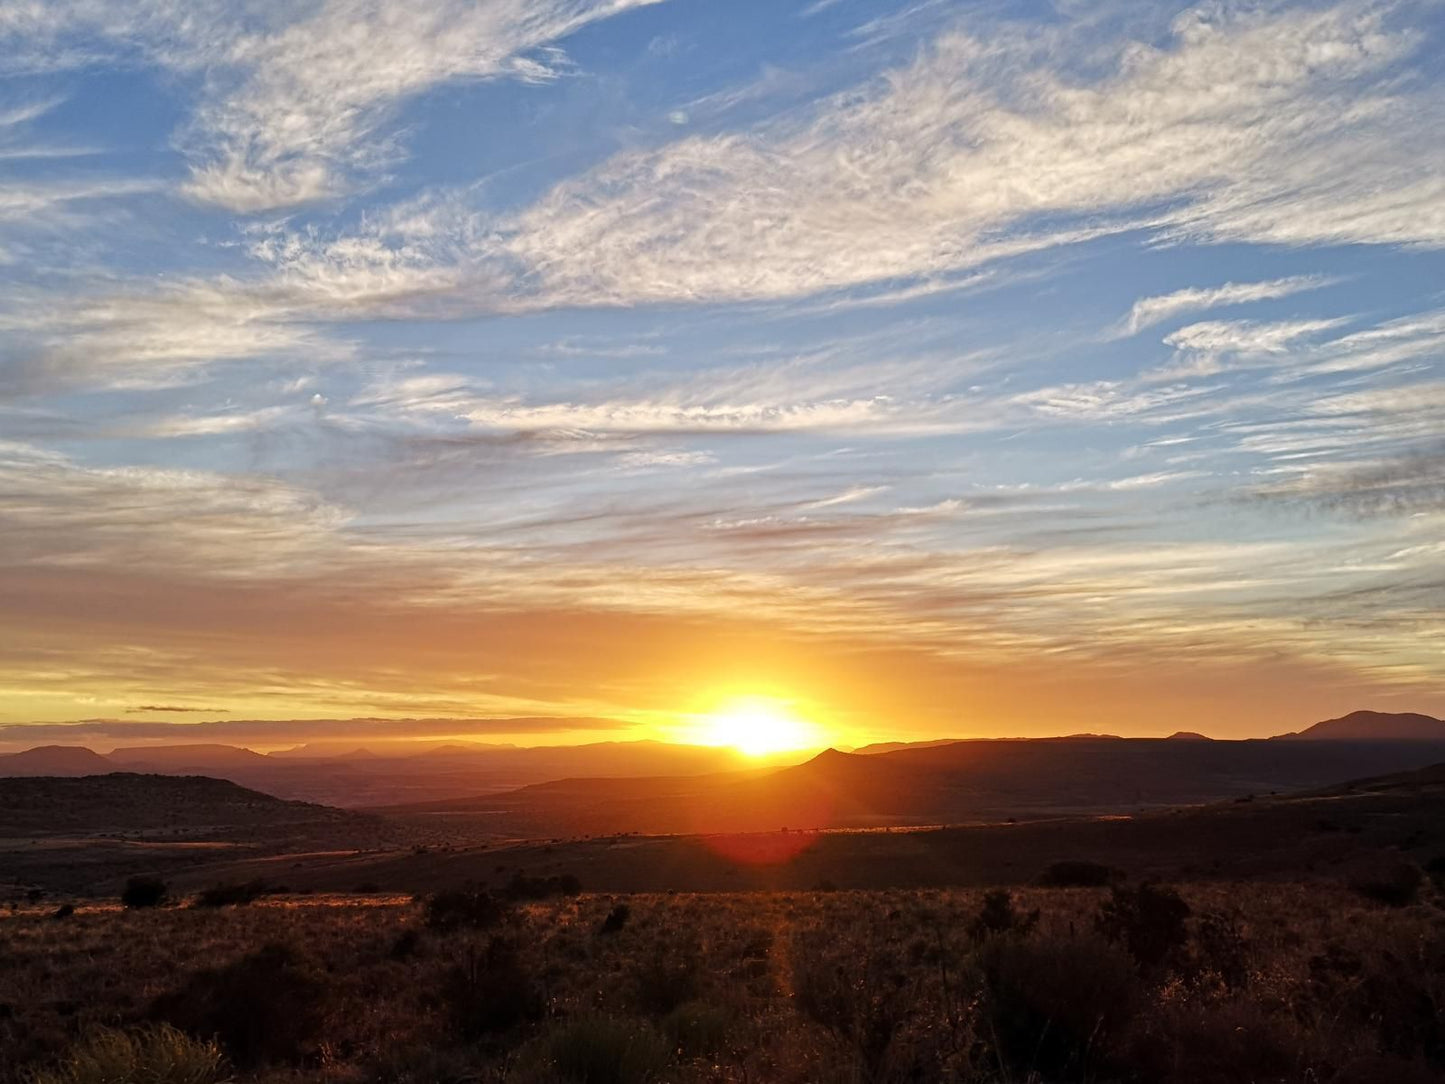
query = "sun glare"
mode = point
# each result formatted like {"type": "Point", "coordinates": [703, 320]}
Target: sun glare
{"type": "Point", "coordinates": [757, 726]}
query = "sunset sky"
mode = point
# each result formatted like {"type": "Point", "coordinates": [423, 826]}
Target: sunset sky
{"type": "Point", "coordinates": [925, 368]}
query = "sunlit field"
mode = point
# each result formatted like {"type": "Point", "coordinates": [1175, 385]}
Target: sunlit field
{"type": "Point", "coordinates": [1220, 983]}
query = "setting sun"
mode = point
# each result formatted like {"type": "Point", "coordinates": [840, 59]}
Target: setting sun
{"type": "Point", "coordinates": [757, 726]}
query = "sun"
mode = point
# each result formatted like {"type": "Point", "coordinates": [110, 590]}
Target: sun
{"type": "Point", "coordinates": [756, 726]}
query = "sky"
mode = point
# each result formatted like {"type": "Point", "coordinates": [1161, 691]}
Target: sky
{"type": "Point", "coordinates": [574, 367]}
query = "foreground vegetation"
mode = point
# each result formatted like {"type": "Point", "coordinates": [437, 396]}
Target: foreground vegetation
{"type": "Point", "coordinates": [1209, 983]}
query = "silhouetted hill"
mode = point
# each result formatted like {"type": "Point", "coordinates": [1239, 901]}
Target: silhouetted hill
{"type": "Point", "coordinates": [188, 757]}
{"type": "Point", "coordinates": [1375, 726]}
{"type": "Point", "coordinates": [958, 783]}
{"type": "Point", "coordinates": [88, 833]}
{"type": "Point", "coordinates": [1188, 735]}
{"type": "Point", "coordinates": [128, 802]}
{"type": "Point", "coordinates": [54, 760]}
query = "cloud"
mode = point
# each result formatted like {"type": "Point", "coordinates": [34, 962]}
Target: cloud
{"type": "Point", "coordinates": [296, 97]}
{"type": "Point", "coordinates": [1209, 347]}
{"type": "Point", "coordinates": [171, 709]}
{"type": "Point", "coordinates": [290, 731]}
{"type": "Point", "coordinates": [1406, 484]}
{"type": "Point", "coordinates": [1263, 125]}
{"type": "Point", "coordinates": [308, 99]}
{"type": "Point", "coordinates": [1148, 311]}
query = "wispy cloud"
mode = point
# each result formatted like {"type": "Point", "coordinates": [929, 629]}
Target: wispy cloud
{"type": "Point", "coordinates": [1148, 311]}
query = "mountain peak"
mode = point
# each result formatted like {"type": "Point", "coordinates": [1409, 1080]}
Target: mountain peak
{"type": "Point", "coordinates": [1365, 725]}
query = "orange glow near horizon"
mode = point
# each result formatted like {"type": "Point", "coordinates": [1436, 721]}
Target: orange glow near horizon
{"type": "Point", "coordinates": [756, 726]}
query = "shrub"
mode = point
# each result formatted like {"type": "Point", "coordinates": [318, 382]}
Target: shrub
{"type": "Point", "coordinates": [999, 917]}
{"type": "Point", "coordinates": [464, 908]}
{"type": "Point", "coordinates": [1217, 1042]}
{"type": "Point", "coordinates": [405, 946]}
{"type": "Point", "coordinates": [1394, 882]}
{"type": "Point", "coordinates": [616, 919]}
{"type": "Point", "coordinates": [602, 1050]}
{"type": "Point", "coordinates": [143, 891]}
{"type": "Point", "coordinates": [156, 1055]}
{"type": "Point", "coordinates": [65, 910]}
{"type": "Point", "coordinates": [1148, 920]}
{"type": "Point", "coordinates": [664, 979]}
{"type": "Point", "coordinates": [861, 997]}
{"type": "Point", "coordinates": [1057, 1006]}
{"type": "Point", "coordinates": [1076, 873]}
{"type": "Point", "coordinates": [265, 1007]}
{"type": "Point", "coordinates": [232, 895]}
{"type": "Point", "coordinates": [700, 1030]}
{"type": "Point", "coordinates": [490, 991]}
{"type": "Point", "coordinates": [1221, 948]}
{"type": "Point", "coordinates": [522, 887]}
{"type": "Point", "coordinates": [424, 1065]}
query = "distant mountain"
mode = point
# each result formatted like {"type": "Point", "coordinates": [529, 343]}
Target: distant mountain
{"type": "Point", "coordinates": [124, 802]}
{"type": "Point", "coordinates": [55, 760]}
{"type": "Point", "coordinates": [894, 746]}
{"type": "Point", "coordinates": [1188, 735]}
{"type": "Point", "coordinates": [1374, 726]}
{"type": "Point", "coordinates": [191, 757]}
{"type": "Point", "coordinates": [958, 783]}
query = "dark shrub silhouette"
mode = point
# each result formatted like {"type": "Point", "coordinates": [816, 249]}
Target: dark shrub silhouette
{"type": "Point", "coordinates": [1148, 920]}
{"type": "Point", "coordinates": [522, 887]}
{"type": "Point", "coordinates": [405, 946]}
{"type": "Point", "coordinates": [232, 895]}
{"type": "Point", "coordinates": [490, 991]}
{"type": "Point", "coordinates": [601, 1050]}
{"type": "Point", "coordinates": [65, 910]}
{"type": "Point", "coordinates": [1076, 873]}
{"type": "Point", "coordinates": [1222, 949]}
{"type": "Point", "coordinates": [1056, 1007]}
{"type": "Point", "coordinates": [265, 1007]}
{"type": "Point", "coordinates": [143, 891]}
{"type": "Point", "coordinates": [616, 918]}
{"type": "Point", "coordinates": [665, 979]}
{"type": "Point", "coordinates": [1394, 882]}
{"type": "Point", "coordinates": [464, 909]}
{"type": "Point", "coordinates": [862, 997]}
{"type": "Point", "coordinates": [998, 916]}
{"type": "Point", "coordinates": [700, 1030]}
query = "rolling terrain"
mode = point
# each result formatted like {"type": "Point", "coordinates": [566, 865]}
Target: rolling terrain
{"type": "Point", "coordinates": [82, 834]}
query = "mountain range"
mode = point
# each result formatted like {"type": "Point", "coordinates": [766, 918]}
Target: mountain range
{"type": "Point", "coordinates": [945, 778]}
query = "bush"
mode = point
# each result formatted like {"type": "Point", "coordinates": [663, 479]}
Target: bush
{"type": "Point", "coordinates": [464, 908]}
{"type": "Point", "coordinates": [1078, 874]}
{"type": "Point", "coordinates": [1394, 882]}
{"type": "Point", "coordinates": [232, 895]}
{"type": "Point", "coordinates": [700, 1030]}
{"type": "Point", "coordinates": [65, 910]}
{"type": "Point", "coordinates": [616, 919]}
{"type": "Point", "coordinates": [664, 979]}
{"type": "Point", "coordinates": [1148, 920]}
{"type": "Point", "coordinates": [1057, 1006]}
{"type": "Point", "coordinates": [265, 1007]}
{"type": "Point", "coordinates": [157, 1055]}
{"type": "Point", "coordinates": [490, 991]}
{"type": "Point", "coordinates": [143, 891]}
{"type": "Point", "coordinates": [601, 1050]}
{"type": "Point", "coordinates": [861, 997]}
{"type": "Point", "coordinates": [522, 887]}
{"type": "Point", "coordinates": [999, 917]}
{"type": "Point", "coordinates": [1217, 1042]}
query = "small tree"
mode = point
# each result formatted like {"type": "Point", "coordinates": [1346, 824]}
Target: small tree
{"type": "Point", "coordinates": [999, 916]}
{"type": "Point", "coordinates": [144, 891]}
{"type": "Point", "coordinates": [1148, 920]}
